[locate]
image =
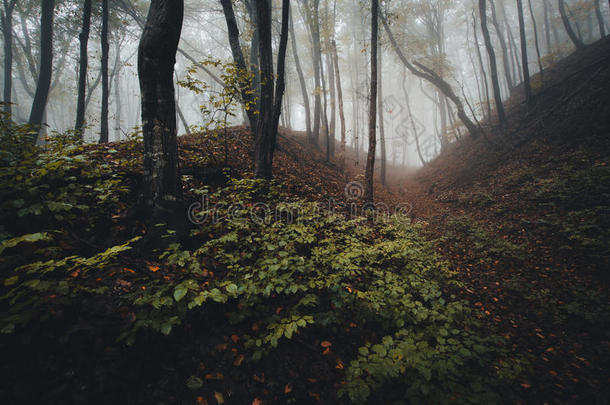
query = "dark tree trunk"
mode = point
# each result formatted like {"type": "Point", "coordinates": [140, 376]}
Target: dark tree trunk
{"type": "Point", "coordinates": [380, 113]}
{"type": "Point", "coordinates": [370, 160]}
{"type": "Point", "coordinates": [314, 22]}
{"type": "Point", "coordinates": [156, 60]}
{"type": "Point", "coordinates": [340, 100]}
{"type": "Point", "coordinates": [481, 65]}
{"type": "Point", "coordinates": [105, 51]}
{"type": "Point", "coordinates": [7, 31]}
{"type": "Point", "coordinates": [302, 82]}
{"type": "Point", "coordinates": [333, 108]}
{"type": "Point", "coordinates": [505, 60]}
{"type": "Point", "coordinates": [248, 99]}
{"type": "Point", "coordinates": [281, 76]}
{"type": "Point", "coordinates": [492, 62]}
{"type": "Point", "coordinates": [566, 23]}
{"type": "Point", "coordinates": [536, 42]}
{"type": "Point", "coordinates": [325, 110]}
{"type": "Point", "coordinates": [82, 68]}
{"type": "Point", "coordinates": [46, 66]}
{"type": "Point", "coordinates": [117, 91]}
{"type": "Point", "coordinates": [524, 60]}
{"type": "Point", "coordinates": [430, 76]}
{"type": "Point", "coordinates": [270, 104]}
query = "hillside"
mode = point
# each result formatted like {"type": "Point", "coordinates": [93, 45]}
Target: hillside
{"type": "Point", "coordinates": [494, 290]}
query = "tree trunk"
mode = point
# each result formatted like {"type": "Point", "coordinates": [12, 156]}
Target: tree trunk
{"type": "Point", "coordinates": [325, 110]}
{"type": "Point", "coordinates": [46, 66]}
{"type": "Point", "coordinates": [600, 19]}
{"type": "Point", "coordinates": [547, 27]}
{"type": "Point", "coordinates": [302, 82]}
{"type": "Point", "coordinates": [281, 75]}
{"type": "Point", "coordinates": [492, 62]}
{"type": "Point", "coordinates": [524, 60]}
{"type": "Point", "coordinates": [117, 92]}
{"type": "Point", "coordinates": [156, 60]}
{"type": "Point", "coordinates": [436, 80]}
{"type": "Point", "coordinates": [340, 99]}
{"type": "Point", "coordinates": [105, 51]}
{"type": "Point", "coordinates": [7, 30]}
{"type": "Point", "coordinates": [536, 42]}
{"type": "Point", "coordinates": [566, 23]}
{"type": "Point", "coordinates": [333, 108]}
{"type": "Point", "coordinates": [317, 52]}
{"type": "Point", "coordinates": [381, 126]}
{"type": "Point", "coordinates": [481, 65]}
{"type": "Point", "coordinates": [370, 160]}
{"type": "Point", "coordinates": [249, 100]}
{"type": "Point", "coordinates": [505, 60]}
{"type": "Point", "coordinates": [82, 69]}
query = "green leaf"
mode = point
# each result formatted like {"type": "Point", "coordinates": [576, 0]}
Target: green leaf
{"type": "Point", "coordinates": [179, 293]}
{"type": "Point", "coordinates": [11, 280]}
{"type": "Point", "coordinates": [194, 383]}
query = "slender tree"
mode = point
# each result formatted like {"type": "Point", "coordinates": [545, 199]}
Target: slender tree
{"type": "Point", "coordinates": [249, 100]}
{"type": "Point", "coordinates": [600, 19]}
{"type": "Point", "coordinates": [302, 81]}
{"type": "Point", "coordinates": [370, 160]}
{"type": "Point", "coordinates": [381, 123]}
{"type": "Point", "coordinates": [82, 67]}
{"type": "Point", "coordinates": [536, 42]}
{"type": "Point", "coordinates": [46, 66]}
{"type": "Point", "coordinates": [524, 60]}
{"type": "Point", "coordinates": [156, 60]}
{"type": "Point", "coordinates": [500, 34]}
{"type": "Point", "coordinates": [105, 52]}
{"type": "Point", "coordinates": [566, 24]}
{"type": "Point", "coordinates": [7, 31]}
{"type": "Point", "coordinates": [492, 61]}
{"type": "Point", "coordinates": [340, 100]}
{"type": "Point", "coordinates": [432, 77]}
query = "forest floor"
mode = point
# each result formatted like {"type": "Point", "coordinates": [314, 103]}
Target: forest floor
{"type": "Point", "coordinates": [501, 273]}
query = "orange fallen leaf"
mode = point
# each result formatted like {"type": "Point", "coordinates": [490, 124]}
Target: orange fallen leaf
{"type": "Point", "coordinates": [326, 343]}
{"type": "Point", "coordinates": [327, 351]}
{"type": "Point", "coordinates": [214, 376]}
{"type": "Point", "coordinates": [238, 360]}
{"type": "Point", "coordinates": [525, 385]}
{"type": "Point", "coordinates": [152, 268]}
{"type": "Point", "coordinates": [234, 338]}
{"type": "Point", "coordinates": [257, 401]}
{"type": "Point", "coordinates": [340, 365]}
{"type": "Point", "coordinates": [288, 388]}
{"type": "Point", "coordinates": [260, 379]}
{"type": "Point", "coordinates": [202, 401]}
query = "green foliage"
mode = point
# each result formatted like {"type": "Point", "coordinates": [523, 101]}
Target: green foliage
{"type": "Point", "coordinates": [488, 247]}
{"type": "Point", "coordinates": [320, 272]}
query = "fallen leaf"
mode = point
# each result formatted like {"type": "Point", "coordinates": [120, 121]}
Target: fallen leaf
{"type": "Point", "coordinates": [326, 343]}
{"type": "Point", "coordinates": [288, 388]}
{"type": "Point", "coordinates": [219, 398]}
{"type": "Point", "coordinates": [154, 269]}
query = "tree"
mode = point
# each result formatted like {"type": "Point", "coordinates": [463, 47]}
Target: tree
{"type": "Point", "coordinates": [271, 104]}
{"type": "Point", "coordinates": [526, 70]}
{"type": "Point", "coordinates": [247, 91]}
{"type": "Point", "coordinates": [380, 113]}
{"type": "Point", "coordinates": [340, 99]}
{"type": "Point", "coordinates": [600, 19]}
{"type": "Point", "coordinates": [429, 75]}
{"type": "Point", "coordinates": [83, 66]}
{"type": "Point", "coordinates": [302, 82]}
{"type": "Point", "coordinates": [492, 61]}
{"type": "Point", "coordinates": [370, 160]}
{"type": "Point", "coordinates": [46, 66]}
{"type": "Point", "coordinates": [566, 23]}
{"type": "Point", "coordinates": [505, 60]}
{"type": "Point", "coordinates": [156, 60]}
{"type": "Point", "coordinates": [7, 31]}
{"type": "Point", "coordinates": [105, 47]}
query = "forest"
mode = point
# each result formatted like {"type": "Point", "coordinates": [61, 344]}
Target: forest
{"type": "Point", "coordinates": [305, 202]}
